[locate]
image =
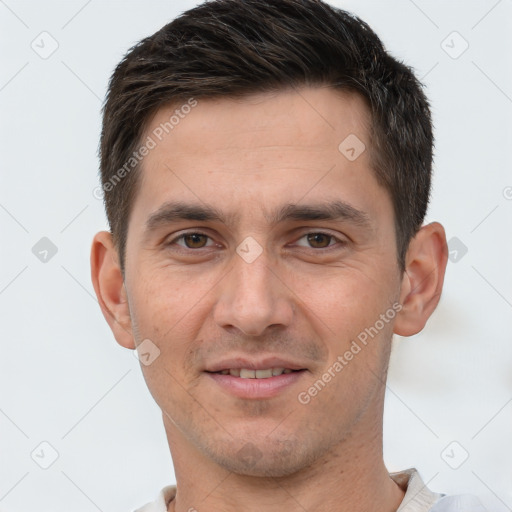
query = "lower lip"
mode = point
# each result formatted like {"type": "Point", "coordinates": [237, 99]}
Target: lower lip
{"type": "Point", "coordinates": [256, 388]}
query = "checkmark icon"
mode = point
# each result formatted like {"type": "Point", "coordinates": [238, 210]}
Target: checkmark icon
{"type": "Point", "coordinates": [351, 147]}
{"type": "Point", "coordinates": [44, 250]}
{"type": "Point", "coordinates": [454, 45]}
{"type": "Point", "coordinates": [456, 249]}
{"type": "Point", "coordinates": [44, 455]}
{"type": "Point", "coordinates": [146, 352]}
{"type": "Point", "coordinates": [249, 249]}
{"type": "Point", "coordinates": [455, 455]}
{"type": "Point", "coordinates": [45, 45]}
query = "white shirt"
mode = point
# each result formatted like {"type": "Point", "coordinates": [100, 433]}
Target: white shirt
{"type": "Point", "coordinates": [418, 498]}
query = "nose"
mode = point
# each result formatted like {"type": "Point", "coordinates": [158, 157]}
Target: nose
{"type": "Point", "coordinates": [252, 297]}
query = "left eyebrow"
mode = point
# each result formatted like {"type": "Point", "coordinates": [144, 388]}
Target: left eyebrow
{"type": "Point", "coordinates": [175, 211]}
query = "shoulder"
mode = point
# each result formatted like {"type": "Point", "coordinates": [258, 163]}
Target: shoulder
{"type": "Point", "coordinates": [161, 502]}
{"type": "Point", "coordinates": [459, 503]}
{"type": "Point", "coordinates": [419, 498]}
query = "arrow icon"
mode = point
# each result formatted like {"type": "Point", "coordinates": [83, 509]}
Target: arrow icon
{"type": "Point", "coordinates": [44, 253]}
{"type": "Point", "coordinates": [351, 151]}
{"type": "Point", "coordinates": [40, 455]}
{"type": "Point", "coordinates": [454, 254]}
{"type": "Point", "coordinates": [451, 455]}
{"type": "Point", "coordinates": [41, 45]}
{"type": "Point", "coordinates": [246, 248]}
{"type": "Point", "coordinates": [451, 45]}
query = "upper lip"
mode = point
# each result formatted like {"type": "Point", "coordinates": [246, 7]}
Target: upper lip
{"type": "Point", "coordinates": [253, 364]}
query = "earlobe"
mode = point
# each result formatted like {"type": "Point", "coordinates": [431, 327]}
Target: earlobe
{"type": "Point", "coordinates": [423, 279]}
{"type": "Point", "coordinates": [109, 286]}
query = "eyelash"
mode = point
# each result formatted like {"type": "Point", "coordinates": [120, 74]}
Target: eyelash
{"type": "Point", "coordinates": [329, 247]}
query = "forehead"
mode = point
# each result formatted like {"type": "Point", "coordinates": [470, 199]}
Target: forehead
{"type": "Point", "coordinates": [299, 120]}
{"type": "Point", "coordinates": [252, 151]}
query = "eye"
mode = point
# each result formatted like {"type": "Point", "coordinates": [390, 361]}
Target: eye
{"type": "Point", "coordinates": [191, 240]}
{"type": "Point", "coordinates": [320, 240]}
{"type": "Point", "coordinates": [313, 240]}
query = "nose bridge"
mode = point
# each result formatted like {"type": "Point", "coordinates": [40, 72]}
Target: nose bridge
{"type": "Point", "coordinates": [252, 298]}
{"type": "Point", "coordinates": [253, 279]}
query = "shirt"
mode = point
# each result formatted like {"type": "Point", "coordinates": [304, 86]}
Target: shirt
{"type": "Point", "coordinates": [418, 498]}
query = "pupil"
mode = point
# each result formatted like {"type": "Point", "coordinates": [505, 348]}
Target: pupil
{"type": "Point", "coordinates": [194, 238]}
{"type": "Point", "coordinates": [315, 238]}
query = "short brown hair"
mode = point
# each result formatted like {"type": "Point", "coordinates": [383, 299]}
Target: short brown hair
{"type": "Point", "coordinates": [238, 47]}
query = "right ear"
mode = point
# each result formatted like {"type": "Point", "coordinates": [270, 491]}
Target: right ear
{"type": "Point", "coordinates": [108, 283]}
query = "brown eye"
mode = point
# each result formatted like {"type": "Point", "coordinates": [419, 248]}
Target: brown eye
{"type": "Point", "coordinates": [191, 240]}
{"type": "Point", "coordinates": [194, 240]}
{"type": "Point", "coordinates": [319, 240]}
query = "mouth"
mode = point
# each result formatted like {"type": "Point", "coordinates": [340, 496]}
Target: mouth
{"type": "Point", "coordinates": [248, 373]}
{"type": "Point", "coordinates": [256, 384]}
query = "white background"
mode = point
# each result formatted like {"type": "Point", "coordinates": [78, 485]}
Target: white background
{"type": "Point", "coordinates": [63, 378]}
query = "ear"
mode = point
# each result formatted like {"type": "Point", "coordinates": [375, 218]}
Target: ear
{"type": "Point", "coordinates": [108, 283]}
{"type": "Point", "coordinates": [422, 282]}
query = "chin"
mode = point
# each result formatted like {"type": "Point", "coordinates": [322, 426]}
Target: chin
{"type": "Point", "coordinates": [265, 458]}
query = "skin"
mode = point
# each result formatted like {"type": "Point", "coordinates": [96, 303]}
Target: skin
{"type": "Point", "coordinates": [300, 299]}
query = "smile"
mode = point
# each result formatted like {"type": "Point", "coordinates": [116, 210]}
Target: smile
{"type": "Point", "coordinates": [259, 384]}
{"type": "Point", "coordinates": [246, 373]}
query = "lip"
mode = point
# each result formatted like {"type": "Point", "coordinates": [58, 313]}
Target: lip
{"type": "Point", "coordinates": [256, 388]}
{"type": "Point", "coordinates": [254, 364]}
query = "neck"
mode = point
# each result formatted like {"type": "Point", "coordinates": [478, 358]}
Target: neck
{"type": "Point", "coordinates": [352, 477]}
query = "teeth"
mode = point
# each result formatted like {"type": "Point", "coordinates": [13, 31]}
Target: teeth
{"type": "Point", "coordinates": [245, 373]}
{"type": "Point", "coordinates": [264, 374]}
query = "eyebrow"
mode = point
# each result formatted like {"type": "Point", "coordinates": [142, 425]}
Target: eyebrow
{"type": "Point", "coordinates": [175, 211]}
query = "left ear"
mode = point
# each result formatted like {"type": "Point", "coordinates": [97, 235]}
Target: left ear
{"type": "Point", "coordinates": [423, 279]}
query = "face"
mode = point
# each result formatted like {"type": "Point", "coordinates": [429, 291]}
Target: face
{"type": "Point", "coordinates": [256, 243]}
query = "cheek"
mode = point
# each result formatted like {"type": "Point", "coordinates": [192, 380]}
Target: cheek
{"type": "Point", "coordinates": [343, 302]}
{"type": "Point", "coordinates": [165, 300]}
{"type": "Point", "coordinates": [167, 311]}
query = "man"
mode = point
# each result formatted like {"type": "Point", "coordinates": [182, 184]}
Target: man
{"type": "Point", "coordinates": [266, 168]}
